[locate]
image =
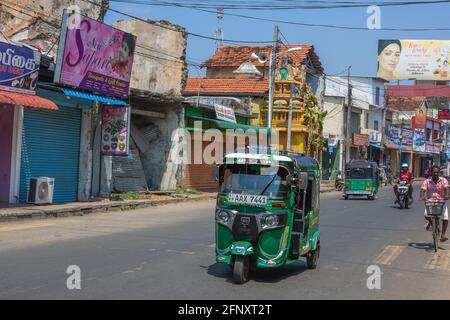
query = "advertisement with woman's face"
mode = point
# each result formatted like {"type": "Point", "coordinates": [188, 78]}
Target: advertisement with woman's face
{"type": "Point", "coordinates": [413, 59]}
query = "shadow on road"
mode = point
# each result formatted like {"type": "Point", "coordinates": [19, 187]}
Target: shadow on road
{"type": "Point", "coordinates": [259, 275]}
{"type": "Point", "coordinates": [429, 247]}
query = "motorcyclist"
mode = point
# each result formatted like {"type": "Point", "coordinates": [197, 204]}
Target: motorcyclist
{"type": "Point", "coordinates": [433, 188]}
{"type": "Point", "coordinates": [405, 175]}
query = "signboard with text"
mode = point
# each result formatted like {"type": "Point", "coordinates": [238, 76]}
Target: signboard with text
{"type": "Point", "coordinates": [360, 139]}
{"type": "Point", "coordinates": [115, 130]}
{"type": "Point", "coordinates": [407, 136]}
{"type": "Point", "coordinates": [94, 56]}
{"type": "Point", "coordinates": [19, 68]}
{"type": "Point", "coordinates": [419, 140]}
{"type": "Point", "coordinates": [394, 134]}
{"type": "Point", "coordinates": [414, 59]}
{"type": "Point", "coordinates": [225, 113]}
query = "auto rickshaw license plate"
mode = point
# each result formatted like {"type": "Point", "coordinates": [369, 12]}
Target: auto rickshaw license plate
{"type": "Point", "coordinates": [247, 199]}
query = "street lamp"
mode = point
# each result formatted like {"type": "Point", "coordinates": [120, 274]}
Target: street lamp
{"type": "Point", "coordinates": [271, 80]}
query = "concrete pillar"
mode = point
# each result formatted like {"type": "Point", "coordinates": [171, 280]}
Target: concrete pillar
{"type": "Point", "coordinates": [85, 166]}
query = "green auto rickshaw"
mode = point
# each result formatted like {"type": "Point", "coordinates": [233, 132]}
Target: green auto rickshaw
{"type": "Point", "coordinates": [267, 212]}
{"type": "Point", "coordinates": [362, 179]}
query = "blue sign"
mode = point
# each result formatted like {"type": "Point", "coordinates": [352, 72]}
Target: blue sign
{"type": "Point", "coordinates": [393, 135]}
{"type": "Point", "coordinates": [330, 149]}
{"type": "Point", "coordinates": [19, 68]}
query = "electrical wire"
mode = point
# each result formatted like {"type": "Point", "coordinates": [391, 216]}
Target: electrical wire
{"type": "Point", "coordinates": [198, 8]}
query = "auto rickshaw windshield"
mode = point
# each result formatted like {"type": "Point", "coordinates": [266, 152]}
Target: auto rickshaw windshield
{"type": "Point", "coordinates": [360, 173]}
{"type": "Point", "coordinates": [257, 179]}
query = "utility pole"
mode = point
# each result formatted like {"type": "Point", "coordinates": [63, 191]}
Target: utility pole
{"type": "Point", "coordinates": [288, 144]}
{"type": "Point", "coordinates": [348, 137]}
{"type": "Point", "coordinates": [272, 65]}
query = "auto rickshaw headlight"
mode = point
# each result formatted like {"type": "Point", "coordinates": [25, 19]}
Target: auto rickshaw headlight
{"type": "Point", "coordinates": [223, 216]}
{"type": "Point", "coordinates": [270, 221]}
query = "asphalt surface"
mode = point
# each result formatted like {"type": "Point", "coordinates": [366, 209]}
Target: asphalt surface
{"type": "Point", "coordinates": [168, 253]}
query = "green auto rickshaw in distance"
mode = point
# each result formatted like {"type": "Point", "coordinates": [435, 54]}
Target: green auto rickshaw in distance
{"type": "Point", "coordinates": [362, 179]}
{"type": "Point", "coordinates": [267, 212]}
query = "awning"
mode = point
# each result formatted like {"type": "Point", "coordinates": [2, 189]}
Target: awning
{"type": "Point", "coordinates": [391, 146]}
{"type": "Point", "coordinates": [26, 100]}
{"type": "Point", "coordinates": [93, 97]}
{"type": "Point", "coordinates": [375, 145]}
{"type": "Point", "coordinates": [230, 125]}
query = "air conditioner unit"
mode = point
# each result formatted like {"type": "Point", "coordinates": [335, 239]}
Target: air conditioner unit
{"type": "Point", "coordinates": [41, 190]}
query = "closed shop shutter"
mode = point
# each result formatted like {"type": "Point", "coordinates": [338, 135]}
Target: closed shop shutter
{"type": "Point", "coordinates": [51, 148]}
{"type": "Point", "coordinates": [200, 176]}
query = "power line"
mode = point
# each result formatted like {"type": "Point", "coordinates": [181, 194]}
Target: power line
{"type": "Point", "coordinates": [173, 29]}
{"type": "Point", "coordinates": [280, 5]}
{"type": "Point", "coordinates": [173, 4]}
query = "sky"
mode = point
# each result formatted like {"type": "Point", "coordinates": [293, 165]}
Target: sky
{"type": "Point", "coordinates": [336, 48]}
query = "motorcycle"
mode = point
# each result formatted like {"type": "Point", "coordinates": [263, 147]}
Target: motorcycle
{"type": "Point", "coordinates": [339, 182]}
{"type": "Point", "coordinates": [403, 195]}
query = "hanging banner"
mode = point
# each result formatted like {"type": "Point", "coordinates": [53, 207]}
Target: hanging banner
{"type": "Point", "coordinates": [115, 130]}
{"type": "Point", "coordinates": [94, 56]}
{"type": "Point", "coordinates": [19, 68]}
{"type": "Point", "coordinates": [407, 137]}
{"type": "Point", "coordinates": [413, 59]}
{"type": "Point", "coordinates": [394, 135]}
{"type": "Point", "coordinates": [419, 140]}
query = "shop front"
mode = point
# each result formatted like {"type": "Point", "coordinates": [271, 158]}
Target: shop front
{"type": "Point", "coordinates": [203, 150]}
{"type": "Point", "coordinates": [19, 69]}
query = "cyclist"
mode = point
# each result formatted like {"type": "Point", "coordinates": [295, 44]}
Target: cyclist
{"type": "Point", "coordinates": [436, 188]}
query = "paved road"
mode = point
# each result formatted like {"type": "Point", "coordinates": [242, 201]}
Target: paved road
{"type": "Point", "coordinates": [168, 253]}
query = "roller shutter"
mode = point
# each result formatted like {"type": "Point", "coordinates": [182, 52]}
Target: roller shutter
{"type": "Point", "coordinates": [51, 148]}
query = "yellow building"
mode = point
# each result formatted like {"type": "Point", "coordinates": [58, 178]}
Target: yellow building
{"type": "Point", "coordinates": [280, 114]}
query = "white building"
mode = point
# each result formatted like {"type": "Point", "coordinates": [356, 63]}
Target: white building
{"type": "Point", "coordinates": [366, 120]}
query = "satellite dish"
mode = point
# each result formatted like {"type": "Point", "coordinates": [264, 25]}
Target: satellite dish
{"type": "Point", "coordinates": [261, 58]}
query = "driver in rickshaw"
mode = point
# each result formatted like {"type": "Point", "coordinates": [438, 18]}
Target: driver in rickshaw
{"type": "Point", "coordinates": [405, 175]}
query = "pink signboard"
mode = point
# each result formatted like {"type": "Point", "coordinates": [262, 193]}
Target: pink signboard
{"type": "Point", "coordinates": [115, 130]}
{"type": "Point", "coordinates": [94, 56]}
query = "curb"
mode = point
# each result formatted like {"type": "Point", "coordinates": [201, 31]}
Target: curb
{"type": "Point", "coordinates": [36, 212]}
{"type": "Point", "coordinates": [16, 214]}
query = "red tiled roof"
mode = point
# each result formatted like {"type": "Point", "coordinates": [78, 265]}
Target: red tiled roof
{"type": "Point", "coordinates": [418, 91]}
{"type": "Point", "coordinates": [26, 100]}
{"type": "Point", "coordinates": [404, 103]}
{"type": "Point", "coordinates": [234, 56]}
{"type": "Point", "coordinates": [226, 85]}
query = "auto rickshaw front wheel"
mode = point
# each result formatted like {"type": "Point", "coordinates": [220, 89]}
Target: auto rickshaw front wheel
{"type": "Point", "coordinates": [241, 269]}
{"type": "Point", "coordinates": [312, 258]}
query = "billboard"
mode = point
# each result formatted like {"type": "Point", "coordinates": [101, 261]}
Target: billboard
{"type": "Point", "coordinates": [393, 135]}
{"type": "Point", "coordinates": [94, 56]}
{"type": "Point", "coordinates": [115, 130]}
{"type": "Point", "coordinates": [19, 68]}
{"type": "Point", "coordinates": [419, 140]}
{"type": "Point", "coordinates": [413, 59]}
{"type": "Point", "coordinates": [407, 137]}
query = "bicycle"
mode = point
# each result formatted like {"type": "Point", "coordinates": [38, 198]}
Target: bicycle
{"type": "Point", "coordinates": [434, 212]}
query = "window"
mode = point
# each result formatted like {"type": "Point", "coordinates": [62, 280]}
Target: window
{"type": "Point", "coordinates": [377, 95]}
{"type": "Point", "coordinates": [375, 125]}
{"type": "Point", "coordinates": [429, 130]}
{"type": "Point", "coordinates": [366, 114]}
{"type": "Point", "coordinates": [436, 131]}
